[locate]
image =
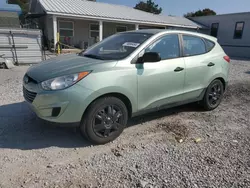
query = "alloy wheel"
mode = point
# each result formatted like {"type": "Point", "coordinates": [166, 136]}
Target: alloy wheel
{"type": "Point", "coordinates": [215, 94]}
{"type": "Point", "coordinates": [107, 121]}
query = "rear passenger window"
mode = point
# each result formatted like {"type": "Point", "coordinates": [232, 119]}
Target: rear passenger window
{"type": "Point", "coordinates": [210, 45]}
{"type": "Point", "coordinates": [193, 46]}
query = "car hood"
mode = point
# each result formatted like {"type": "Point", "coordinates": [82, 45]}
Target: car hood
{"type": "Point", "coordinates": [65, 65]}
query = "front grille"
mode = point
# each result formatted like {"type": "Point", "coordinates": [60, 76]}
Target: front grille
{"type": "Point", "coordinates": [28, 95]}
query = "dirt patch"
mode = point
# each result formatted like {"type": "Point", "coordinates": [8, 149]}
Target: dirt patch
{"type": "Point", "coordinates": [177, 128]}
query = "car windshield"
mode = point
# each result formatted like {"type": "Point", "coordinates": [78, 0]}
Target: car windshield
{"type": "Point", "coordinates": [116, 47]}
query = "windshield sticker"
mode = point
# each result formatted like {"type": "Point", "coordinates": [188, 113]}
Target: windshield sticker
{"type": "Point", "coordinates": [131, 44]}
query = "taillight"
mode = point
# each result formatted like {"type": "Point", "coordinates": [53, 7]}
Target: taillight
{"type": "Point", "coordinates": [227, 58]}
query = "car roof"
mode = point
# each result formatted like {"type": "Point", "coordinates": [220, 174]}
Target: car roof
{"type": "Point", "coordinates": [148, 31]}
{"type": "Point", "coordinates": [162, 31]}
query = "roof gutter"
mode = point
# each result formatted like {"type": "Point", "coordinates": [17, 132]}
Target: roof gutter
{"type": "Point", "coordinates": [117, 20]}
{"type": "Point", "coordinates": [203, 25]}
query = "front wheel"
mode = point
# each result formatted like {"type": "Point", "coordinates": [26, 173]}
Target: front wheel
{"type": "Point", "coordinates": [213, 95]}
{"type": "Point", "coordinates": [104, 120]}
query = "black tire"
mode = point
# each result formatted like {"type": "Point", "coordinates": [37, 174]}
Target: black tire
{"type": "Point", "coordinates": [213, 96]}
{"type": "Point", "coordinates": [110, 115]}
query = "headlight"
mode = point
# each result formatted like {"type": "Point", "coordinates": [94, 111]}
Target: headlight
{"type": "Point", "coordinates": [63, 81]}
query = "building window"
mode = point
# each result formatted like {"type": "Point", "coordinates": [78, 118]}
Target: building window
{"type": "Point", "coordinates": [121, 28]}
{"type": "Point", "coordinates": [239, 27]}
{"type": "Point", "coordinates": [94, 30]}
{"type": "Point", "coordinates": [66, 28]}
{"type": "Point", "coordinates": [214, 29]}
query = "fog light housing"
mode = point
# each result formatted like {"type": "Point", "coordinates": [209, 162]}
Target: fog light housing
{"type": "Point", "coordinates": [56, 111]}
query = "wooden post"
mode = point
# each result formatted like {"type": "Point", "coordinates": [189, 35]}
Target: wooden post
{"type": "Point", "coordinates": [55, 31]}
{"type": "Point", "coordinates": [57, 41]}
{"type": "Point", "coordinates": [100, 30]}
{"type": "Point", "coordinates": [137, 27]}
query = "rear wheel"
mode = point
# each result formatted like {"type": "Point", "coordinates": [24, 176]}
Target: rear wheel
{"type": "Point", "coordinates": [213, 95]}
{"type": "Point", "coordinates": [104, 120]}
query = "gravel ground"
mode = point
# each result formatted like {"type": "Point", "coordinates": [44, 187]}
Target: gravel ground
{"type": "Point", "coordinates": [35, 153]}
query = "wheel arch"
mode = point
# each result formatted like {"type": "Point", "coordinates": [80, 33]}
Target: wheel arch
{"type": "Point", "coordinates": [221, 77]}
{"type": "Point", "coordinates": [122, 97]}
{"type": "Point", "coordinates": [223, 82]}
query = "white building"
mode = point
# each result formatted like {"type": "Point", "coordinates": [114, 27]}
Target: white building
{"type": "Point", "coordinates": [83, 21]}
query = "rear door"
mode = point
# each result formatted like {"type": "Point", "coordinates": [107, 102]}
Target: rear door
{"type": "Point", "coordinates": [198, 65]}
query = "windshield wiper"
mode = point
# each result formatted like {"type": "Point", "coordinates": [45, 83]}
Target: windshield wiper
{"type": "Point", "coordinates": [93, 56]}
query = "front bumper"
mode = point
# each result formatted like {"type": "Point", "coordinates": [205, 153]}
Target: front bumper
{"type": "Point", "coordinates": [62, 106]}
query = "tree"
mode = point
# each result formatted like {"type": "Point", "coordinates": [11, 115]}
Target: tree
{"type": "Point", "coordinates": [24, 4]}
{"type": "Point", "coordinates": [204, 12]}
{"type": "Point", "coordinates": [148, 6]}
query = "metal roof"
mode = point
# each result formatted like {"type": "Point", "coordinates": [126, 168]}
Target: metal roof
{"type": "Point", "coordinates": [9, 19]}
{"type": "Point", "coordinates": [111, 12]}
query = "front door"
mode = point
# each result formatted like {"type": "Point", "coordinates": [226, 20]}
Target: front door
{"type": "Point", "coordinates": [161, 83]}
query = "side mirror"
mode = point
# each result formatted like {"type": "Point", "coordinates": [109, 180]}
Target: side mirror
{"type": "Point", "coordinates": [150, 57]}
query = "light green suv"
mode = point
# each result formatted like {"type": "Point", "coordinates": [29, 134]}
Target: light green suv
{"type": "Point", "coordinates": [126, 75]}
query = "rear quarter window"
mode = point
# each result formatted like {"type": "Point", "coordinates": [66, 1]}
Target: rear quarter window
{"type": "Point", "coordinates": [209, 44]}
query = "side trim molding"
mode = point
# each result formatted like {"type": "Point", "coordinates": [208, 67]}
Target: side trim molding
{"type": "Point", "coordinates": [171, 105]}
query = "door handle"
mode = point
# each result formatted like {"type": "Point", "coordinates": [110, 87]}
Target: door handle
{"type": "Point", "coordinates": [210, 64]}
{"type": "Point", "coordinates": [178, 69]}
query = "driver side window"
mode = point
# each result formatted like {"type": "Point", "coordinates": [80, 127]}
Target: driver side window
{"type": "Point", "coordinates": [168, 47]}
